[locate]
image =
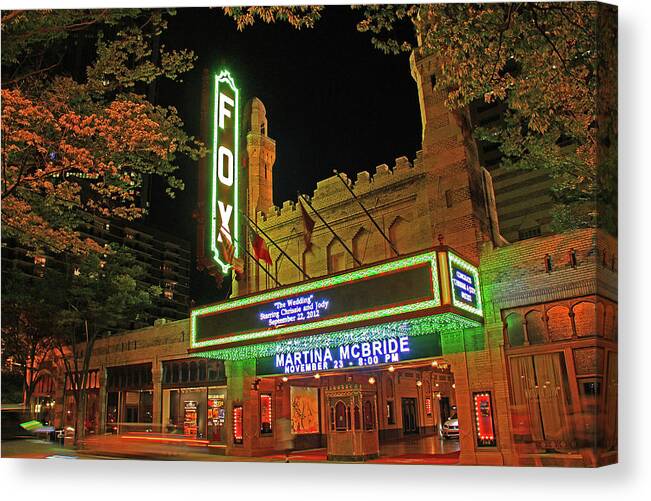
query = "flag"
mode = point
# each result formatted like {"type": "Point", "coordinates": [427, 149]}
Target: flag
{"type": "Point", "coordinates": [260, 249]}
{"type": "Point", "coordinates": [308, 226]}
{"type": "Point", "coordinates": [229, 252]}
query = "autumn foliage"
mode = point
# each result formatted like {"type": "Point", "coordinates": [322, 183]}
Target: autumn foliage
{"type": "Point", "coordinates": [73, 149]}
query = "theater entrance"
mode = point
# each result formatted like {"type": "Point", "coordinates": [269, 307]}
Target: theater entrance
{"type": "Point", "coordinates": [403, 406]}
{"type": "Point", "coordinates": [409, 416]}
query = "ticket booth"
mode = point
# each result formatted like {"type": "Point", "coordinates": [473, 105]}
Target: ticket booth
{"type": "Point", "coordinates": [352, 423]}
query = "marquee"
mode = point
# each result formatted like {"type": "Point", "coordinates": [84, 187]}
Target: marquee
{"type": "Point", "coordinates": [436, 285]}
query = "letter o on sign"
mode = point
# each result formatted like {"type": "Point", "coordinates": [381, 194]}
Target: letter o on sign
{"type": "Point", "coordinates": [225, 178]}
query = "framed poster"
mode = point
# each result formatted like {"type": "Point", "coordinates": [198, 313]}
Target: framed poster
{"type": "Point", "coordinates": [304, 409]}
{"type": "Point", "coordinates": [483, 406]}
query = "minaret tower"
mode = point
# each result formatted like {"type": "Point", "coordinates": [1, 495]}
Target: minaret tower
{"type": "Point", "coordinates": [258, 171]}
{"type": "Point", "coordinates": [261, 155]}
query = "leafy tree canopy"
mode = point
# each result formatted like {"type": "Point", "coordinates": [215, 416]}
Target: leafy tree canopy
{"type": "Point", "coordinates": [554, 65]}
{"type": "Point", "coordinates": [77, 145]}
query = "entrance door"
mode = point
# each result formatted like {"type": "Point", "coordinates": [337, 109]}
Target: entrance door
{"type": "Point", "coordinates": [409, 421]}
{"type": "Point", "coordinates": [445, 408]}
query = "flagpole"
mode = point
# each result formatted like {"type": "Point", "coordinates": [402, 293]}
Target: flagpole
{"type": "Point", "coordinates": [367, 213]}
{"type": "Point", "coordinates": [330, 228]}
{"type": "Point", "coordinates": [275, 244]}
{"type": "Point", "coordinates": [262, 267]}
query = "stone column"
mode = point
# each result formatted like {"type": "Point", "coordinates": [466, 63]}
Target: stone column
{"type": "Point", "coordinates": [102, 397]}
{"type": "Point", "coordinates": [157, 400]}
{"type": "Point", "coordinates": [240, 376]}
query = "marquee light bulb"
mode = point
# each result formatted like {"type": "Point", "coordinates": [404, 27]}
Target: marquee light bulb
{"type": "Point", "coordinates": [419, 383]}
{"type": "Point", "coordinates": [371, 380]}
{"type": "Point", "coordinates": [285, 379]}
{"type": "Point", "coordinates": [317, 376]}
{"type": "Point", "coordinates": [435, 363]}
{"type": "Point", "coordinates": [391, 368]}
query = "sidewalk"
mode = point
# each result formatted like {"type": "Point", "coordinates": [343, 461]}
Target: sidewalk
{"type": "Point", "coordinates": [33, 448]}
{"type": "Point", "coordinates": [39, 449]}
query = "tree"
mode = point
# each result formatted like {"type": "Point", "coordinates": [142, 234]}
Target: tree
{"type": "Point", "coordinates": [74, 147]}
{"type": "Point", "coordinates": [28, 307]}
{"type": "Point", "coordinates": [554, 65]}
{"type": "Point", "coordinates": [101, 293]}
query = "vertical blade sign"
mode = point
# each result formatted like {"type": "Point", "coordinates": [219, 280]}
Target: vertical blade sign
{"type": "Point", "coordinates": [224, 171]}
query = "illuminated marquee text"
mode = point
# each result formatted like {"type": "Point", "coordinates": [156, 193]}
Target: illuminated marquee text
{"type": "Point", "coordinates": [349, 355]}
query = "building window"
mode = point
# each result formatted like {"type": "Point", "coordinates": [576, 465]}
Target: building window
{"type": "Point", "coordinates": [529, 233]}
{"type": "Point", "coordinates": [265, 413]}
{"type": "Point", "coordinates": [369, 415]}
{"type": "Point", "coordinates": [39, 265]}
{"type": "Point", "coordinates": [336, 257]}
{"type": "Point", "coordinates": [168, 289]}
{"type": "Point", "coordinates": [341, 421]}
{"type": "Point", "coordinates": [391, 416]}
{"type": "Point", "coordinates": [548, 263]}
{"type": "Point", "coordinates": [572, 258]}
{"type": "Point", "coordinates": [360, 244]}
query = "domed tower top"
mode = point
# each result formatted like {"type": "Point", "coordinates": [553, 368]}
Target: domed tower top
{"type": "Point", "coordinates": [261, 152]}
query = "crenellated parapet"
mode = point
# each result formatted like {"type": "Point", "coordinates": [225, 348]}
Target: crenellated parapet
{"type": "Point", "coordinates": [331, 191]}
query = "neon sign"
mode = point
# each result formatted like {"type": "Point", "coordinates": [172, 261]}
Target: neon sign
{"type": "Point", "coordinates": [464, 278]}
{"type": "Point", "coordinates": [393, 288]}
{"type": "Point", "coordinates": [464, 286]}
{"type": "Point", "coordinates": [223, 177]}
{"type": "Point", "coordinates": [390, 350]}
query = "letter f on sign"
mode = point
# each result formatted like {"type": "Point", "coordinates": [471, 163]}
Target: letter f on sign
{"type": "Point", "coordinates": [223, 111]}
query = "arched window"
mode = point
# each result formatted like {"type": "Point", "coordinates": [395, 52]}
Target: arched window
{"type": "Point", "coordinates": [360, 244]}
{"type": "Point", "coordinates": [369, 417]}
{"type": "Point", "coordinates": [535, 327]}
{"type": "Point", "coordinates": [336, 257]}
{"type": "Point", "coordinates": [358, 425]}
{"type": "Point", "coordinates": [559, 323]}
{"type": "Point", "coordinates": [309, 262]}
{"type": "Point", "coordinates": [514, 329]}
{"type": "Point", "coordinates": [398, 233]}
{"type": "Point", "coordinates": [341, 421]}
{"type": "Point", "coordinates": [585, 319]}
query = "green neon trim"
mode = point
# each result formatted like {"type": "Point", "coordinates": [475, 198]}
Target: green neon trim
{"type": "Point", "coordinates": [225, 77]}
{"type": "Point", "coordinates": [435, 301]}
{"type": "Point", "coordinates": [472, 270]}
{"type": "Point", "coordinates": [414, 327]}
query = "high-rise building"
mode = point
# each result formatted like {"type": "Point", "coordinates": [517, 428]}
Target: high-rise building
{"type": "Point", "coordinates": [166, 259]}
{"type": "Point", "coordinates": [523, 198]}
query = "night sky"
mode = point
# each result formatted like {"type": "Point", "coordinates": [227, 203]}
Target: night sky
{"type": "Point", "coordinates": [333, 102]}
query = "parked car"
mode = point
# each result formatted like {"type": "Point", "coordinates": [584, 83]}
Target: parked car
{"type": "Point", "coordinates": [451, 427]}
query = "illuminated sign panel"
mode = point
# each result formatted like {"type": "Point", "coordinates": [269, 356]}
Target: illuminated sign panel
{"type": "Point", "coordinates": [223, 178]}
{"type": "Point", "coordinates": [351, 355]}
{"type": "Point", "coordinates": [386, 290]}
{"type": "Point", "coordinates": [464, 279]}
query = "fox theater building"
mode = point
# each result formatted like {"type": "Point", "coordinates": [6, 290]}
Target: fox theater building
{"type": "Point", "coordinates": [381, 315]}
